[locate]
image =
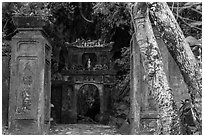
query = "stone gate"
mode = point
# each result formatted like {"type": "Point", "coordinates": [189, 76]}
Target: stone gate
{"type": "Point", "coordinates": [30, 78]}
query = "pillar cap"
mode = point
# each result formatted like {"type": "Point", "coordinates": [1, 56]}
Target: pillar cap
{"type": "Point", "coordinates": [28, 22]}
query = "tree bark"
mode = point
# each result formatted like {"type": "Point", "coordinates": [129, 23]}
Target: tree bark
{"type": "Point", "coordinates": [173, 37]}
{"type": "Point", "coordinates": [153, 65]}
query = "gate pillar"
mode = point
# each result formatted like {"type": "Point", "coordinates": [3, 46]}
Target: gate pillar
{"type": "Point", "coordinates": [30, 83]}
{"type": "Point", "coordinates": [135, 87]}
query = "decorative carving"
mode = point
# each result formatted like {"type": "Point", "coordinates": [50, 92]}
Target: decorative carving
{"type": "Point", "coordinates": [88, 44]}
{"type": "Point", "coordinates": [27, 77]}
{"type": "Point", "coordinates": [26, 103]}
{"type": "Point", "coordinates": [25, 92]}
{"type": "Point", "coordinates": [77, 67]}
{"type": "Point", "coordinates": [27, 81]}
{"type": "Point", "coordinates": [26, 100]}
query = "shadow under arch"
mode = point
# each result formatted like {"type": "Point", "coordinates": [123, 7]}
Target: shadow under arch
{"type": "Point", "coordinates": [88, 101]}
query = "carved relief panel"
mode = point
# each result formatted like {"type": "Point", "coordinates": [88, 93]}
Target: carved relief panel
{"type": "Point", "coordinates": [28, 48]}
{"type": "Point", "coordinates": [26, 94]}
{"type": "Point", "coordinates": [82, 79]}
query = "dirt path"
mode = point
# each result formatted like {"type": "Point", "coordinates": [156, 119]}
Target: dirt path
{"type": "Point", "coordinates": [82, 129]}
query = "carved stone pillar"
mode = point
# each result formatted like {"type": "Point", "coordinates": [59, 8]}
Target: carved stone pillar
{"type": "Point", "coordinates": [100, 88]}
{"type": "Point", "coordinates": [30, 88]}
{"type": "Point", "coordinates": [135, 87]}
{"type": "Point", "coordinates": [76, 90]}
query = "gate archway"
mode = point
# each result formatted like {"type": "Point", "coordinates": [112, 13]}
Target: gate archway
{"type": "Point", "coordinates": [88, 101]}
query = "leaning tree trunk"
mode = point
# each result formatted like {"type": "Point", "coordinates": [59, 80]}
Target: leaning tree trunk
{"type": "Point", "coordinates": [153, 65]}
{"type": "Point", "coordinates": [173, 36]}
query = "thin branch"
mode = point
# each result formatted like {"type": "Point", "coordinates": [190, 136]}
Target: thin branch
{"type": "Point", "coordinates": [185, 18]}
{"type": "Point", "coordinates": [186, 7]}
{"type": "Point", "coordinates": [172, 8]}
{"type": "Point", "coordinates": [82, 15]}
{"type": "Point", "coordinates": [10, 34]}
{"type": "Point", "coordinates": [196, 11]}
{"type": "Point", "coordinates": [177, 10]}
{"type": "Point", "coordinates": [6, 24]}
{"type": "Point", "coordinates": [188, 24]}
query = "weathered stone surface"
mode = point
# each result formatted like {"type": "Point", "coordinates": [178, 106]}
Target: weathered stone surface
{"type": "Point", "coordinates": [67, 105]}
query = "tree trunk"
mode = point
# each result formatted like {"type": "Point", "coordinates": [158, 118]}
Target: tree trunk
{"type": "Point", "coordinates": [153, 65]}
{"type": "Point", "coordinates": [173, 37]}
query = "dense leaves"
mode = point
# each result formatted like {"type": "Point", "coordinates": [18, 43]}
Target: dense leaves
{"type": "Point", "coordinates": [189, 17]}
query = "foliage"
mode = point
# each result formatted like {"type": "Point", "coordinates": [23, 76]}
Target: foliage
{"type": "Point", "coordinates": [5, 130]}
{"type": "Point", "coordinates": [29, 9]}
{"type": "Point", "coordinates": [123, 79]}
{"type": "Point", "coordinates": [10, 9]}
{"type": "Point", "coordinates": [111, 15]}
{"type": "Point", "coordinates": [122, 102]}
{"type": "Point", "coordinates": [189, 17]}
{"type": "Point", "coordinates": [189, 119]}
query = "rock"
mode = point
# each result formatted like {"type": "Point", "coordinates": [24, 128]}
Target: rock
{"type": "Point", "coordinates": [103, 118]}
{"type": "Point", "coordinates": [125, 128]}
{"type": "Point", "coordinates": [119, 122]}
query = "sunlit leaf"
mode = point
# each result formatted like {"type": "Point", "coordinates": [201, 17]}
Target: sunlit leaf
{"type": "Point", "coordinates": [196, 23]}
{"type": "Point", "coordinates": [192, 41]}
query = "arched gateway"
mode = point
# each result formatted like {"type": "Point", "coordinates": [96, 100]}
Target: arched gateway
{"type": "Point", "coordinates": [89, 101]}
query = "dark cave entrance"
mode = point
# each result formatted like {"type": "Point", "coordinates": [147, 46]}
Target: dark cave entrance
{"type": "Point", "coordinates": [88, 104]}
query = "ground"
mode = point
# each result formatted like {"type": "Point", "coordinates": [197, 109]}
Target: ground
{"type": "Point", "coordinates": [79, 129]}
{"type": "Point", "coordinates": [83, 129]}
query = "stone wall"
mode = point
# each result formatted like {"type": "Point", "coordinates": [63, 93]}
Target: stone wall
{"type": "Point", "coordinates": [68, 105]}
{"type": "Point", "coordinates": [56, 99]}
